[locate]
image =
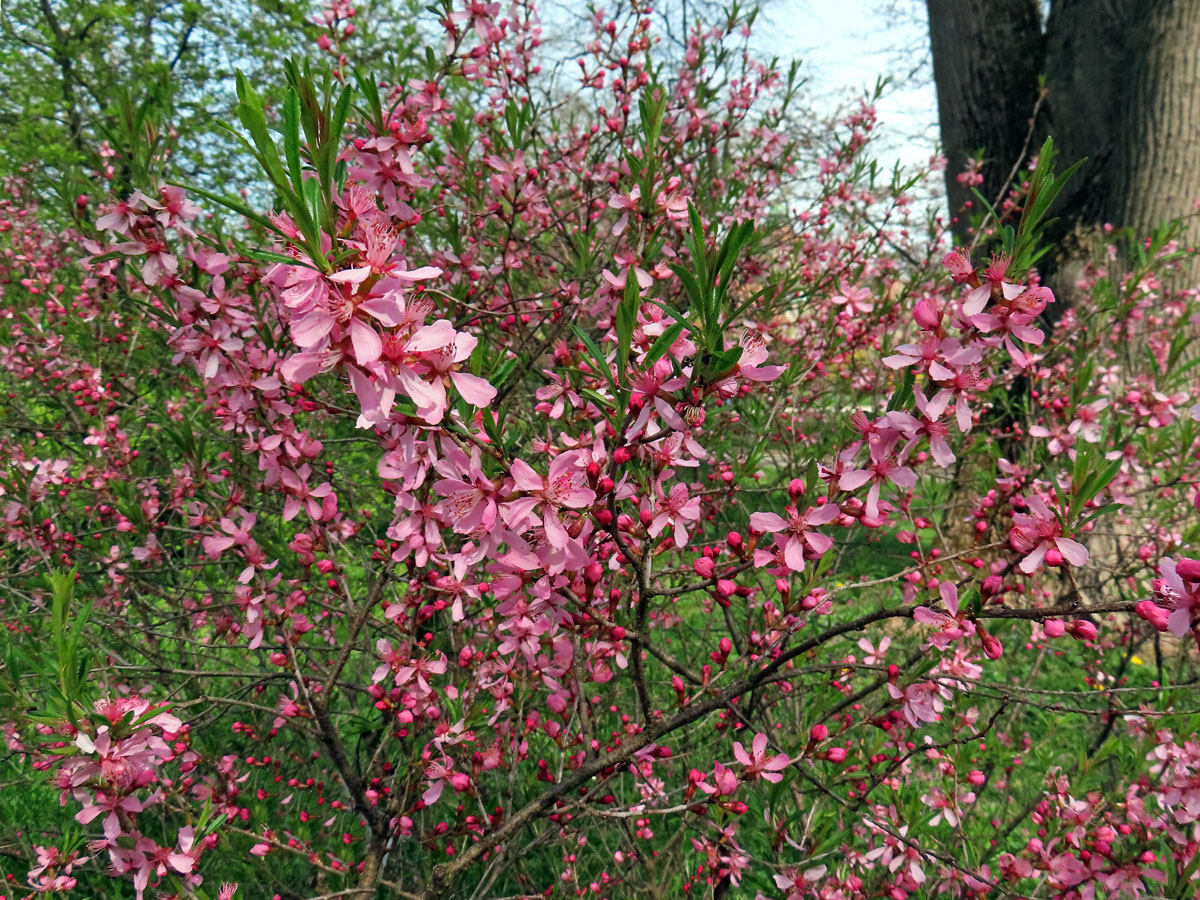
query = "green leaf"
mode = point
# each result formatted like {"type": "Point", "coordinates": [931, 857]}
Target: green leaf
{"type": "Point", "coordinates": [236, 205]}
{"type": "Point", "coordinates": [605, 403]}
{"type": "Point", "coordinates": [291, 138]}
{"type": "Point", "coordinates": [626, 319]}
{"type": "Point", "coordinates": [253, 119]}
{"type": "Point", "coordinates": [313, 199]}
{"type": "Point", "coordinates": [693, 290]}
{"type": "Point", "coordinates": [662, 344]}
{"type": "Point", "coordinates": [598, 358]}
{"type": "Point", "coordinates": [722, 361]}
{"type": "Point", "coordinates": [697, 244]}
{"type": "Point", "coordinates": [337, 125]}
{"type": "Point", "coordinates": [903, 397]}
{"type": "Point", "coordinates": [369, 89]}
{"type": "Point", "coordinates": [268, 256]}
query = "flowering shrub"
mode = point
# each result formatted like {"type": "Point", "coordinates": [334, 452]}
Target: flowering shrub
{"type": "Point", "coordinates": [570, 490]}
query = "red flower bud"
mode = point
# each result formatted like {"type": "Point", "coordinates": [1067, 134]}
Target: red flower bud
{"type": "Point", "coordinates": [927, 314]}
{"type": "Point", "coordinates": [992, 648]}
{"type": "Point", "coordinates": [1082, 630]}
{"type": "Point", "coordinates": [1188, 569]}
{"type": "Point", "coordinates": [1153, 613]}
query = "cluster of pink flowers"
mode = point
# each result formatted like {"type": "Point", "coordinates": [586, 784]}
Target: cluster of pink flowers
{"type": "Point", "coordinates": [527, 487]}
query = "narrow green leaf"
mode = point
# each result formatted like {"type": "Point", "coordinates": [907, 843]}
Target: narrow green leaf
{"type": "Point", "coordinates": [291, 138]}
{"type": "Point", "coordinates": [250, 112]}
{"type": "Point", "coordinates": [369, 89]}
{"type": "Point", "coordinates": [598, 357]}
{"type": "Point", "coordinates": [662, 344]}
{"type": "Point", "coordinates": [626, 319]}
{"type": "Point", "coordinates": [236, 205]}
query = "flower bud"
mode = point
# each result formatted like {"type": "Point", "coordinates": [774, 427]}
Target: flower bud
{"type": "Point", "coordinates": [818, 733]}
{"type": "Point", "coordinates": [1188, 569]}
{"type": "Point", "coordinates": [1054, 558]}
{"type": "Point", "coordinates": [703, 566]}
{"type": "Point", "coordinates": [1054, 628]}
{"type": "Point", "coordinates": [1152, 613]}
{"type": "Point", "coordinates": [927, 314]}
{"type": "Point", "coordinates": [836, 754]}
{"type": "Point", "coordinates": [1082, 630]}
{"type": "Point", "coordinates": [992, 648]}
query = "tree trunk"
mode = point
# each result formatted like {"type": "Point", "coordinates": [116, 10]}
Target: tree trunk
{"type": "Point", "coordinates": [1122, 82]}
{"type": "Point", "coordinates": [987, 56]}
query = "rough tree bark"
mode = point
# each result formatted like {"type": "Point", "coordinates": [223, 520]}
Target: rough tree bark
{"type": "Point", "coordinates": [1122, 80]}
{"type": "Point", "coordinates": [987, 57]}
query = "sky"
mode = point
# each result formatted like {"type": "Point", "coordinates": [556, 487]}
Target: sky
{"type": "Point", "coordinates": [847, 45]}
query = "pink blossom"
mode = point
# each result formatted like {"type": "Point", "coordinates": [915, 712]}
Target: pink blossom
{"type": "Point", "coordinates": [563, 488]}
{"type": "Point", "coordinates": [758, 762]}
{"type": "Point", "coordinates": [676, 509]}
{"type": "Point", "coordinates": [951, 624]}
{"type": "Point", "coordinates": [236, 534]}
{"type": "Point", "coordinates": [1036, 532]}
{"type": "Point", "coordinates": [800, 539]}
{"type": "Point", "coordinates": [882, 467]}
{"type": "Point", "coordinates": [923, 701]}
{"type": "Point", "coordinates": [1182, 591]}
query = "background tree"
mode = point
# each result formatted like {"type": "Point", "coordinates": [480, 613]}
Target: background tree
{"type": "Point", "coordinates": [82, 76]}
{"type": "Point", "coordinates": [1115, 81]}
